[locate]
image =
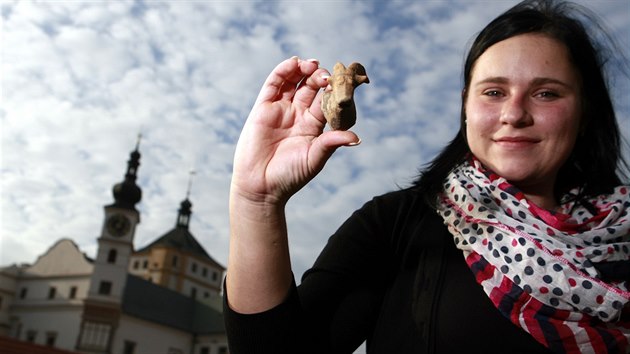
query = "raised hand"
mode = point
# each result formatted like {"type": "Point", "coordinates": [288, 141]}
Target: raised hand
{"type": "Point", "coordinates": [282, 147]}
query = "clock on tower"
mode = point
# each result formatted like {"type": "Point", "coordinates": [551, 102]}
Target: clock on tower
{"type": "Point", "coordinates": [118, 225]}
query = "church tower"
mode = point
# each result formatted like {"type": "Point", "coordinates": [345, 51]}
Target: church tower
{"type": "Point", "coordinates": [115, 246]}
{"type": "Point", "coordinates": [177, 261]}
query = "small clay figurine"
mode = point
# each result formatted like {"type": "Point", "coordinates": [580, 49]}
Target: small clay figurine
{"type": "Point", "coordinates": [338, 100]}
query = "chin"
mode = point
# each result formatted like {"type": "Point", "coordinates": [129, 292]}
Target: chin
{"type": "Point", "coordinates": [516, 177]}
{"type": "Point", "coordinates": [511, 174]}
{"type": "Point", "coordinates": [512, 171]}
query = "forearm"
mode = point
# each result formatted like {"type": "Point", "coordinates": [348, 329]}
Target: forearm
{"type": "Point", "coordinates": [259, 269]}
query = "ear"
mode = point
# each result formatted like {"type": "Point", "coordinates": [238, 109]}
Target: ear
{"type": "Point", "coordinates": [464, 98]}
{"type": "Point", "coordinates": [339, 68]}
{"type": "Point", "coordinates": [360, 76]}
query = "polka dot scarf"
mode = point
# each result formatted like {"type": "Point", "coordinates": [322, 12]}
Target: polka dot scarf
{"type": "Point", "coordinates": [544, 270]}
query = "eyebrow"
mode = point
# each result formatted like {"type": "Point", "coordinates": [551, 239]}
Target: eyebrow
{"type": "Point", "coordinates": [536, 81]}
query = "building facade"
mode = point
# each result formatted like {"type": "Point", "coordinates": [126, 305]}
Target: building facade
{"type": "Point", "coordinates": [162, 298]}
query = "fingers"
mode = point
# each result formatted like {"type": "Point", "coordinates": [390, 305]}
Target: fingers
{"type": "Point", "coordinates": [306, 94]}
{"type": "Point", "coordinates": [283, 80]}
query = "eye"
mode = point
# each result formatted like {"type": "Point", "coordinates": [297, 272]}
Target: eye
{"type": "Point", "coordinates": [547, 95]}
{"type": "Point", "coordinates": [492, 93]}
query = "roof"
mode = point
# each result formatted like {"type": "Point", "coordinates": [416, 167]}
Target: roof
{"type": "Point", "coordinates": [181, 239]}
{"type": "Point", "coordinates": [14, 346]}
{"type": "Point", "coordinates": [151, 302]}
{"type": "Point", "coordinates": [62, 258]}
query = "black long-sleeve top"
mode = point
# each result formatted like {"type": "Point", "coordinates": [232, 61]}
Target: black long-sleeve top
{"type": "Point", "coordinates": [390, 274]}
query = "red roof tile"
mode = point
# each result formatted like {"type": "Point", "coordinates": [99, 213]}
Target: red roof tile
{"type": "Point", "coordinates": [10, 345]}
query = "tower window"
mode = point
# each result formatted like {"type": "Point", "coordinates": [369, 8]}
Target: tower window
{"type": "Point", "coordinates": [23, 293]}
{"type": "Point", "coordinates": [193, 267]}
{"type": "Point", "coordinates": [111, 256]}
{"type": "Point", "coordinates": [183, 220]}
{"type": "Point", "coordinates": [204, 350]}
{"type": "Point", "coordinates": [193, 293]}
{"type": "Point", "coordinates": [145, 264]}
{"type": "Point", "coordinates": [52, 291]}
{"type": "Point", "coordinates": [105, 288]}
{"type": "Point", "coordinates": [136, 264]}
{"type": "Point", "coordinates": [204, 272]}
{"type": "Point", "coordinates": [174, 261]}
{"type": "Point", "coordinates": [73, 292]}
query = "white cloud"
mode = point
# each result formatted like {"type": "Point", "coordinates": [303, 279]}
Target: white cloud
{"type": "Point", "coordinates": [81, 79]}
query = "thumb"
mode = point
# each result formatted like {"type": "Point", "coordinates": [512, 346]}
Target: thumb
{"type": "Point", "coordinates": [326, 144]}
{"type": "Point", "coordinates": [333, 139]}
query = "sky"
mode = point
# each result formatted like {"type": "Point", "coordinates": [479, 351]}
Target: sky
{"type": "Point", "coordinates": [81, 79]}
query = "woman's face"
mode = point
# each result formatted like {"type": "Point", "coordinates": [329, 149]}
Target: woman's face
{"type": "Point", "coordinates": [523, 110]}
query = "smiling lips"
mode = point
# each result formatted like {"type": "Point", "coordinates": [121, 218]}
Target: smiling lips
{"type": "Point", "coordinates": [516, 141]}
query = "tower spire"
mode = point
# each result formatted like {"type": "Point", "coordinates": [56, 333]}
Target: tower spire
{"type": "Point", "coordinates": [139, 139]}
{"type": "Point", "coordinates": [183, 216]}
{"type": "Point", "coordinates": [127, 193]}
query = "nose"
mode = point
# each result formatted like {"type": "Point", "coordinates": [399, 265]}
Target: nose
{"type": "Point", "coordinates": [515, 111]}
{"type": "Point", "coordinates": [345, 101]}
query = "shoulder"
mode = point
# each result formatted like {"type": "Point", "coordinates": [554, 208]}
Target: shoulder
{"type": "Point", "coordinates": [401, 202]}
{"type": "Point", "coordinates": [395, 215]}
{"type": "Point", "coordinates": [402, 196]}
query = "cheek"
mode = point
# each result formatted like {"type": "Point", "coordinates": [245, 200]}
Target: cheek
{"type": "Point", "coordinates": [564, 123]}
{"type": "Point", "coordinates": [480, 120]}
{"type": "Point", "coordinates": [478, 110]}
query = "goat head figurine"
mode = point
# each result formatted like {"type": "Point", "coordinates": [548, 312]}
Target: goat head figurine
{"type": "Point", "coordinates": [338, 100]}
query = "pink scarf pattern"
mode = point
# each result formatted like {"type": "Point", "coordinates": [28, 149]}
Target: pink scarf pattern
{"type": "Point", "coordinates": [539, 268]}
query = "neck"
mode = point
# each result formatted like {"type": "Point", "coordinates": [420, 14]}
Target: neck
{"type": "Point", "coordinates": [542, 196]}
{"type": "Point", "coordinates": [543, 202]}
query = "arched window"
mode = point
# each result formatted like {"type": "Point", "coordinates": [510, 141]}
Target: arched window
{"type": "Point", "coordinates": [111, 256]}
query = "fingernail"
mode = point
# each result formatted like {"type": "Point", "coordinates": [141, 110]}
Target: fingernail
{"type": "Point", "coordinates": [295, 57]}
{"type": "Point", "coordinates": [312, 60]}
{"type": "Point", "coordinates": [325, 77]}
{"type": "Point", "coordinates": [355, 143]}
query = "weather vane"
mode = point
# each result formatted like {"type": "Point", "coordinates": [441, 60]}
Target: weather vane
{"type": "Point", "coordinates": [139, 139]}
{"type": "Point", "coordinates": [190, 178]}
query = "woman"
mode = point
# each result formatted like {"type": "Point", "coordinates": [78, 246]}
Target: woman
{"type": "Point", "coordinates": [515, 239]}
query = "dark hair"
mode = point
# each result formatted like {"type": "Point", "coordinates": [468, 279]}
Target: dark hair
{"type": "Point", "coordinates": [593, 164]}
